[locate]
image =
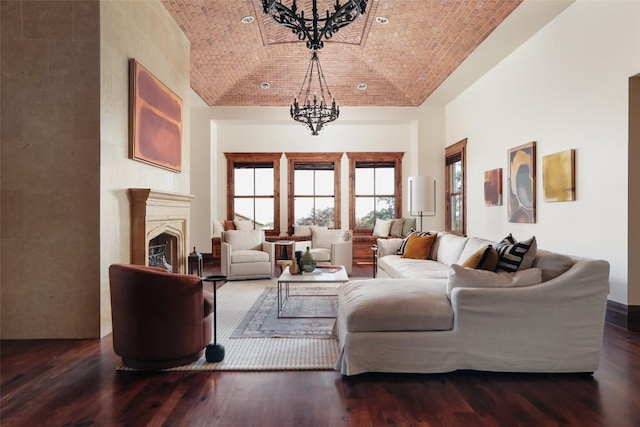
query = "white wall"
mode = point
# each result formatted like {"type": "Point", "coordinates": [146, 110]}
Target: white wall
{"type": "Point", "coordinates": [567, 87]}
{"type": "Point", "coordinates": [143, 30]}
{"type": "Point", "coordinates": [249, 129]}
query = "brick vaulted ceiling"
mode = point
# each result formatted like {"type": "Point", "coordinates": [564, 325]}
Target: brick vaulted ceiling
{"type": "Point", "coordinates": [402, 62]}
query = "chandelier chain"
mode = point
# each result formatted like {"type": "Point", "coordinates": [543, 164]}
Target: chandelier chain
{"type": "Point", "coordinates": [312, 114]}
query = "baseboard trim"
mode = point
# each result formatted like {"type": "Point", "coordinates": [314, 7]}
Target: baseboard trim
{"type": "Point", "coordinates": [624, 316]}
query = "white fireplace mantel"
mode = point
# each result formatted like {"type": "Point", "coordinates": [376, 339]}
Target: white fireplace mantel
{"type": "Point", "coordinates": [155, 212]}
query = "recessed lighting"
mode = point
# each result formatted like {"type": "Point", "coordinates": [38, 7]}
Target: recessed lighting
{"type": "Point", "coordinates": [382, 20]}
{"type": "Point", "coordinates": [362, 86]}
{"type": "Point", "coordinates": [247, 19]}
{"type": "Point", "coordinates": [265, 85]}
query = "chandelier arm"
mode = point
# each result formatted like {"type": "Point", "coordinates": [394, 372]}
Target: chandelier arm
{"type": "Point", "coordinates": [314, 29]}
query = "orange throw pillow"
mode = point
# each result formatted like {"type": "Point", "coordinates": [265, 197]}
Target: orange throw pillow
{"type": "Point", "coordinates": [485, 258]}
{"type": "Point", "coordinates": [418, 247]}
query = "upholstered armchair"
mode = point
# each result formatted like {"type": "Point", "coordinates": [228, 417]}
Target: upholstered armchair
{"type": "Point", "coordinates": [246, 255]}
{"type": "Point", "coordinates": [333, 247]}
{"type": "Point", "coordinates": [160, 319]}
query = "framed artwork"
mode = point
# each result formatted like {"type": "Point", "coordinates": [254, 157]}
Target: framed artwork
{"type": "Point", "coordinates": [559, 176]}
{"type": "Point", "coordinates": [493, 187]}
{"type": "Point", "coordinates": [521, 184]}
{"type": "Point", "coordinates": [155, 120]}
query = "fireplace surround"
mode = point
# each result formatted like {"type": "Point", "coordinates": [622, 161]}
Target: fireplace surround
{"type": "Point", "coordinates": [154, 213]}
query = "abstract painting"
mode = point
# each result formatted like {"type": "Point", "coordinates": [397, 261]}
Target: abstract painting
{"type": "Point", "coordinates": [155, 122]}
{"type": "Point", "coordinates": [493, 187]}
{"type": "Point", "coordinates": [522, 183]}
{"type": "Point", "coordinates": [558, 176]}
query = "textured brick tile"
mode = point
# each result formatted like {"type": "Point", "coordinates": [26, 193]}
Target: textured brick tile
{"type": "Point", "coordinates": [402, 62]}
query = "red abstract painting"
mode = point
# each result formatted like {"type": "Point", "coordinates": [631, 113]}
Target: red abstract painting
{"type": "Point", "coordinates": [155, 130]}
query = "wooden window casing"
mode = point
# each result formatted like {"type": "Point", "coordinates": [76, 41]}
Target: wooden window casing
{"type": "Point", "coordinates": [258, 159]}
{"type": "Point", "coordinates": [301, 159]}
{"type": "Point", "coordinates": [453, 154]}
{"type": "Point", "coordinates": [359, 158]}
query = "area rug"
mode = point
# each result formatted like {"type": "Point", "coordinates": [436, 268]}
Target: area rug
{"type": "Point", "coordinates": [235, 299]}
{"type": "Point", "coordinates": [311, 315]}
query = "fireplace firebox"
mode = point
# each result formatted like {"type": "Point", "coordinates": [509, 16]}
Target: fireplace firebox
{"type": "Point", "coordinates": [159, 218]}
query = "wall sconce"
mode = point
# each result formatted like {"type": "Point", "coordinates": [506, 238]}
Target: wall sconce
{"type": "Point", "coordinates": [422, 196]}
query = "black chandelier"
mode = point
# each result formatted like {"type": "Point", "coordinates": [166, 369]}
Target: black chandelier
{"type": "Point", "coordinates": [314, 29]}
{"type": "Point", "coordinates": [314, 113]}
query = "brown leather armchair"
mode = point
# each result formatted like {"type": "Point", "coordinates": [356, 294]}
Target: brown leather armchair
{"type": "Point", "coordinates": [160, 319]}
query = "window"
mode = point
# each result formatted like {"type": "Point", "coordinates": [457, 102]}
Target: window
{"type": "Point", "coordinates": [375, 188]}
{"type": "Point", "coordinates": [314, 189]}
{"type": "Point", "coordinates": [455, 185]}
{"type": "Point", "coordinates": [253, 183]}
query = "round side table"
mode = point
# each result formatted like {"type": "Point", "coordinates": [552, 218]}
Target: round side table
{"type": "Point", "coordinates": [214, 352]}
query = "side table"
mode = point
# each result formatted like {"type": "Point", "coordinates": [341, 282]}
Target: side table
{"type": "Point", "coordinates": [214, 352]}
{"type": "Point", "coordinates": [374, 250]}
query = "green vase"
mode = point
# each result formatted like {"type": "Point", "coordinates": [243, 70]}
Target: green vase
{"type": "Point", "coordinates": [308, 261]}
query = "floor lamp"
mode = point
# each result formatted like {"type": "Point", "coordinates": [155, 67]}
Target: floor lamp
{"type": "Point", "coordinates": [422, 196]}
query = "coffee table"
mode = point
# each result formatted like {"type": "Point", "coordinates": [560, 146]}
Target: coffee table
{"type": "Point", "coordinates": [319, 275]}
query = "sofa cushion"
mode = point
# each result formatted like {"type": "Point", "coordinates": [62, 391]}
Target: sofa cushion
{"type": "Point", "coordinates": [406, 268]}
{"type": "Point", "coordinates": [408, 224]}
{"type": "Point", "coordinates": [218, 228]}
{"type": "Point", "coordinates": [382, 227]}
{"type": "Point", "coordinates": [396, 227]}
{"type": "Point", "coordinates": [244, 239]}
{"type": "Point", "coordinates": [321, 254]}
{"type": "Point", "coordinates": [395, 305]}
{"type": "Point", "coordinates": [305, 230]}
{"type": "Point", "coordinates": [449, 248]}
{"type": "Point", "coordinates": [485, 258]}
{"type": "Point", "coordinates": [515, 255]}
{"type": "Point", "coordinates": [243, 224]}
{"type": "Point", "coordinates": [462, 277]}
{"type": "Point", "coordinates": [472, 246]}
{"type": "Point", "coordinates": [388, 246]}
{"type": "Point", "coordinates": [403, 245]}
{"type": "Point", "coordinates": [418, 247]}
{"type": "Point", "coordinates": [324, 238]}
{"type": "Point", "coordinates": [243, 255]}
{"type": "Point", "coordinates": [552, 264]}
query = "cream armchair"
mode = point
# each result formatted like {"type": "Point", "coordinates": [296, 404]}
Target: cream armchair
{"type": "Point", "coordinates": [246, 255]}
{"type": "Point", "coordinates": [333, 247]}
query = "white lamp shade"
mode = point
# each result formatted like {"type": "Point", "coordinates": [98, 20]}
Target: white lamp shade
{"type": "Point", "coordinates": [422, 195]}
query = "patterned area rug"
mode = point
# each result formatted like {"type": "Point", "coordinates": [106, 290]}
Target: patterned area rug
{"type": "Point", "coordinates": [318, 305]}
{"type": "Point", "coordinates": [235, 299]}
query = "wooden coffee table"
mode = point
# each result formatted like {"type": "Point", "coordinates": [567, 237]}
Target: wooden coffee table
{"type": "Point", "coordinates": [319, 275]}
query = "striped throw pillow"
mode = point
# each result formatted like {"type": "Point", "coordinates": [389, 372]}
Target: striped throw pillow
{"type": "Point", "coordinates": [403, 245]}
{"type": "Point", "coordinates": [512, 254]}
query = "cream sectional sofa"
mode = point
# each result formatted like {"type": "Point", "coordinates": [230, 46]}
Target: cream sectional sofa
{"type": "Point", "coordinates": [426, 316]}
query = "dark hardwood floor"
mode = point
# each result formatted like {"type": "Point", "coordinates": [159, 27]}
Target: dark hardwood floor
{"type": "Point", "coordinates": [74, 383]}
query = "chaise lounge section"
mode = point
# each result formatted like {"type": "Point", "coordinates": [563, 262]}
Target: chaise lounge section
{"type": "Point", "coordinates": [434, 315]}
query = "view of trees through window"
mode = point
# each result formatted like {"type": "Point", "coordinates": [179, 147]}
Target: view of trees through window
{"type": "Point", "coordinates": [314, 198]}
{"type": "Point", "coordinates": [455, 185]}
{"type": "Point", "coordinates": [375, 193]}
{"type": "Point", "coordinates": [254, 194]}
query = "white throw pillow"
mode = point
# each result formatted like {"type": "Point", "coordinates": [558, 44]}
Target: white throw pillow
{"type": "Point", "coordinates": [382, 227]}
{"type": "Point", "coordinates": [461, 277]}
{"type": "Point", "coordinates": [305, 230]}
{"type": "Point", "coordinates": [552, 264]}
{"type": "Point", "coordinates": [388, 246]}
{"type": "Point", "coordinates": [396, 227]}
{"type": "Point", "coordinates": [324, 238]}
{"type": "Point", "coordinates": [244, 240]}
{"type": "Point", "coordinates": [218, 228]}
{"type": "Point", "coordinates": [243, 225]}
{"type": "Point", "coordinates": [448, 248]}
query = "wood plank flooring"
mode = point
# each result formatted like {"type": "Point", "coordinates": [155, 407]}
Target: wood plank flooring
{"type": "Point", "coordinates": [74, 383]}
